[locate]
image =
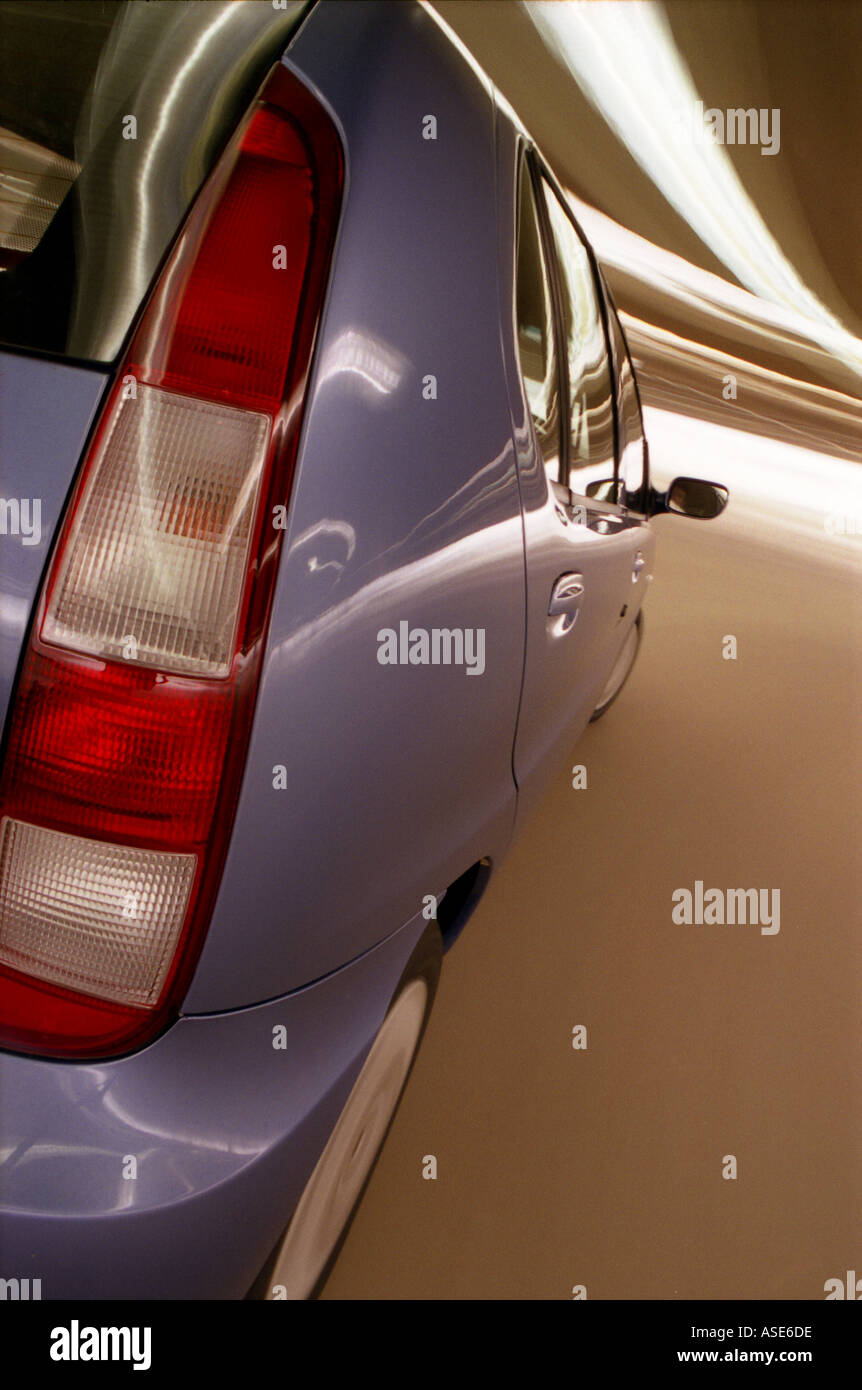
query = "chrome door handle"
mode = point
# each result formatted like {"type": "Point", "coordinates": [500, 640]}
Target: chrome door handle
{"type": "Point", "coordinates": [565, 601]}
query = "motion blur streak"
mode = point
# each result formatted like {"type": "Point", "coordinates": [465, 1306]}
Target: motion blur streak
{"type": "Point", "coordinates": [812, 487]}
{"type": "Point", "coordinates": [784, 495]}
{"type": "Point", "coordinates": [624, 59]}
{"type": "Point", "coordinates": [677, 372]}
{"type": "Point", "coordinates": [669, 290]}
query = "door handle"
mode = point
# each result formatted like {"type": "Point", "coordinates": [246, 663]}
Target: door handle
{"type": "Point", "coordinates": [565, 601]}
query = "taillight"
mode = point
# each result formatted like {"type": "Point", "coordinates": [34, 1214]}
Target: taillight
{"type": "Point", "coordinates": [129, 730]}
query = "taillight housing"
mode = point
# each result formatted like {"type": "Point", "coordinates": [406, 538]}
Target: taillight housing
{"type": "Point", "coordinates": [128, 734]}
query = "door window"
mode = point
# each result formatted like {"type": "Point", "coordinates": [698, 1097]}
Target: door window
{"type": "Point", "coordinates": [536, 346]}
{"type": "Point", "coordinates": [591, 403]}
{"type": "Point", "coordinates": [632, 449]}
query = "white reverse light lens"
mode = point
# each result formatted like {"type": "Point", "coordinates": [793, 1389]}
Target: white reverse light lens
{"type": "Point", "coordinates": [154, 567]}
{"type": "Point", "coordinates": [99, 918]}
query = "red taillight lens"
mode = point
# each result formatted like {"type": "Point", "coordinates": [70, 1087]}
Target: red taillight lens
{"type": "Point", "coordinates": [116, 751]}
{"type": "Point", "coordinates": [128, 735]}
{"type": "Point", "coordinates": [233, 327]}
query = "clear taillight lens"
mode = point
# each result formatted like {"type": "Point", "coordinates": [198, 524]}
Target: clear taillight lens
{"type": "Point", "coordinates": [130, 725]}
{"type": "Point", "coordinates": [91, 915]}
{"type": "Point", "coordinates": [157, 558]}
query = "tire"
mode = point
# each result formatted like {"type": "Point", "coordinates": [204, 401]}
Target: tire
{"type": "Point", "coordinates": [302, 1260]}
{"type": "Point", "coordinates": [622, 668]}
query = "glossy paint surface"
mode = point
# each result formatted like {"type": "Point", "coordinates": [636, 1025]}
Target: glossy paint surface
{"type": "Point", "coordinates": [224, 1127]}
{"type": "Point", "coordinates": [404, 509]}
{"type": "Point", "coordinates": [45, 414]}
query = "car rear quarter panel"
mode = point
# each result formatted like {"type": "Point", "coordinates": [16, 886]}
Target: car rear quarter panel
{"type": "Point", "coordinates": [224, 1126]}
{"type": "Point", "coordinates": [403, 508]}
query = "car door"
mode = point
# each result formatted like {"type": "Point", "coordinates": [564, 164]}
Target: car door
{"type": "Point", "coordinates": [587, 550]}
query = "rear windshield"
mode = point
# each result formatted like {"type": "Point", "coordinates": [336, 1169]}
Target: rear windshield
{"type": "Point", "coordinates": [112, 113]}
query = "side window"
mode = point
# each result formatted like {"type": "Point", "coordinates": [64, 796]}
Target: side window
{"type": "Point", "coordinates": [591, 418]}
{"type": "Point", "coordinates": [536, 347]}
{"type": "Point", "coordinates": [630, 421]}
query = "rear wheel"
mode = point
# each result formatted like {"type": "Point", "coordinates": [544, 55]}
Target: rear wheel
{"type": "Point", "coordinates": [299, 1266]}
{"type": "Point", "coordinates": [622, 668]}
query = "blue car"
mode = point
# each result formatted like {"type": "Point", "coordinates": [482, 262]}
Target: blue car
{"type": "Point", "coordinates": [325, 531]}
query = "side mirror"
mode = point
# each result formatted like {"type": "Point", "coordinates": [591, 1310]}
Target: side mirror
{"type": "Point", "coordinates": [691, 497]}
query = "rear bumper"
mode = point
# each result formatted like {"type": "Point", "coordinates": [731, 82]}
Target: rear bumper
{"type": "Point", "coordinates": [221, 1127]}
